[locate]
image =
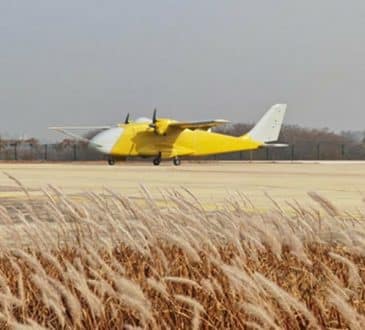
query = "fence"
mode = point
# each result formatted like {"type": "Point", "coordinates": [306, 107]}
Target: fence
{"type": "Point", "coordinates": [49, 152]}
{"type": "Point", "coordinates": [299, 151]}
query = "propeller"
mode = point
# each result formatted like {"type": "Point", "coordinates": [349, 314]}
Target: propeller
{"type": "Point", "coordinates": [126, 121]}
{"type": "Point", "coordinates": [154, 119]}
{"type": "Point", "coordinates": [160, 126]}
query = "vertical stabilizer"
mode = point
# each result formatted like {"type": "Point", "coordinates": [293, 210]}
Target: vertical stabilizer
{"type": "Point", "coordinates": [268, 128]}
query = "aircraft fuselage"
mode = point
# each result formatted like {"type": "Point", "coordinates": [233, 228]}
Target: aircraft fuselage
{"type": "Point", "coordinates": [141, 140]}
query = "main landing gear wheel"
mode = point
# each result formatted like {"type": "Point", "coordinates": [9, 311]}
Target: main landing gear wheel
{"type": "Point", "coordinates": [111, 162]}
{"type": "Point", "coordinates": [177, 161]}
{"type": "Point", "coordinates": [157, 160]}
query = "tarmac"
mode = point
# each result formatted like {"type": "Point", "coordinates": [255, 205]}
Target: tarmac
{"type": "Point", "coordinates": [343, 183]}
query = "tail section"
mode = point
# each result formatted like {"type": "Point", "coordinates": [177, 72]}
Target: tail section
{"type": "Point", "coordinates": [268, 128]}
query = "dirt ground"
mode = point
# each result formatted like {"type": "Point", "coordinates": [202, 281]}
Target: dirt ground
{"type": "Point", "coordinates": [341, 182]}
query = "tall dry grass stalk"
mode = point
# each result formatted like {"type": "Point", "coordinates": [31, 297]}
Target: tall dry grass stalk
{"type": "Point", "coordinates": [104, 261]}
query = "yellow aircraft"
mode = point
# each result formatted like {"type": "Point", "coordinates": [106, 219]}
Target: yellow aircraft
{"type": "Point", "coordinates": [164, 138]}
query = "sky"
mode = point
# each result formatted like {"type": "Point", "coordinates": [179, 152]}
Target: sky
{"type": "Point", "coordinates": [91, 62]}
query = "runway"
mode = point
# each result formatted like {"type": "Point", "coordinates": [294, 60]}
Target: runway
{"type": "Point", "coordinates": [341, 182]}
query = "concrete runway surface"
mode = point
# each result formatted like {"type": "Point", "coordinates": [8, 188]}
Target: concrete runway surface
{"type": "Point", "coordinates": [343, 183]}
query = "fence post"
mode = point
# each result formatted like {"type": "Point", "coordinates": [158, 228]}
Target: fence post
{"type": "Point", "coordinates": [292, 152]}
{"type": "Point", "coordinates": [75, 152]}
{"type": "Point", "coordinates": [318, 151]}
{"type": "Point", "coordinates": [46, 152]}
{"type": "Point", "coordinates": [15, 151]}
{"type": "Point", "coordinates": [342, 151]}
{"type": "Point", "coordinates": [31, 151]}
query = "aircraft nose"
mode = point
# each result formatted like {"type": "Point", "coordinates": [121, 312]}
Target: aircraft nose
{"type": "Point", "coordinates": [106, 140]}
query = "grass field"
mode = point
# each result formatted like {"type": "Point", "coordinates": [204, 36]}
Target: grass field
{"type": "Point", "coordinates": [200, 246]}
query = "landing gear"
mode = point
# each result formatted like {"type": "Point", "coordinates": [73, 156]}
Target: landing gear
{"type": "Point", "coordinates": [157, 160]}
{"type": "Point", "coordinates": [111, 161]}
{"type": "Point", "coordinates": [177, 161]}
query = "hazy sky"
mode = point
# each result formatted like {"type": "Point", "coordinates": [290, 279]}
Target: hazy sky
{"type": "Point", "coordinates": [91, 62]}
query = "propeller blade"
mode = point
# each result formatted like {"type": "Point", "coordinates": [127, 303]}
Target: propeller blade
{"type": "Point", "coordinates": [154, 118]}
{"type": "Point", "coordinates": [126, 119]}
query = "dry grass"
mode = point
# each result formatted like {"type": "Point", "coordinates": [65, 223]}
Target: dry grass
{"type": "Point", "coordinates": [106, 261]}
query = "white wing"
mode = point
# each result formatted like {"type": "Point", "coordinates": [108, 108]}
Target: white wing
{"type": "Point", "coordinates": [65, 130]}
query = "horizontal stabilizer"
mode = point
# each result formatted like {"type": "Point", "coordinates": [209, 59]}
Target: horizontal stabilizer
{"type": "Point", "coordinates": [275, 145]}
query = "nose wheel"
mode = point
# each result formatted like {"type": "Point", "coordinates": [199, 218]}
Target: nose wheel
{"type": "Point", "coordinates": [177, 161]}
{"type": "Point", "coordinates": [111, 162]}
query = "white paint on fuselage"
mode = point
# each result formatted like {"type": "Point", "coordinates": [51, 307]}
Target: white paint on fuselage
{"type": "Point", "coordinates": [105, 141]}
